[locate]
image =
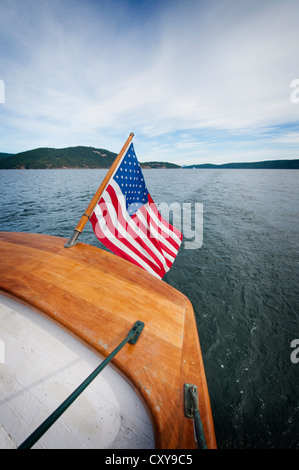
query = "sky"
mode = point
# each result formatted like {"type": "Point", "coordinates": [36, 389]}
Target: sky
{"type": "Point", "coordinates": [197, 81]}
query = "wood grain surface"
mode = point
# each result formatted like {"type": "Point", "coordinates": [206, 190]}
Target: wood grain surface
{"type": "Point", "coordinates": [98, 297]}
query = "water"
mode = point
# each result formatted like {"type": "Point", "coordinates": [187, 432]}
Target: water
{"type": "Point", "coordinates": [243, 281]}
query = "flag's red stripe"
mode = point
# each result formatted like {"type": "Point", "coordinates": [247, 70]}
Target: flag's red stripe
{"type": "Point", "coordinates": [165, 236]}
{"type": "Point", "coordinates": [163, 246]}
{"type": "Point", "coordinates": [147, 230]}
{"type": "Point", "coordinates": [162, 220]}
{"type": "Point", "coordinates": [158, 245]}
{"type": "Point", "coordinates": [109, 222]}
{"type": "Point", "coordinates": [129, 229]}
{"type": "Point", "coordinates": [145, 244]}
{"type": "Point", "coordinates": [115, 249]}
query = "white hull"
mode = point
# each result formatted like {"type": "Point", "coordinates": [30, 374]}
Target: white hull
{"type": "Point", "coordinates": [40, 365]}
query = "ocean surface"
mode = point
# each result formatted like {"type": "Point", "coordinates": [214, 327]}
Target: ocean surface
{"type": "Point", "coordinates": [243, 280]}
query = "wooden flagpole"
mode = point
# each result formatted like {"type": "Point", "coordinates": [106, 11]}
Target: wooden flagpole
{"type": "Point", "coordinates": [73, 240]}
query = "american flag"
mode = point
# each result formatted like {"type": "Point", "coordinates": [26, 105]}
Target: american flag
{"type": "Point", "coordinates": [127, 221]}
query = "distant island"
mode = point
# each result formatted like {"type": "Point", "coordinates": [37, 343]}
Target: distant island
{"type": "Point", "coordinates": [70, 157]}
{"type": "Point", "coordinates": [265, 165]}
{"type": "Point", "coordinates": [90, 157]}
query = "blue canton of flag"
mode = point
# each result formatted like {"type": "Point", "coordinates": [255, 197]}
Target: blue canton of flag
{"type": "Point", "coordinates": [130, 179]}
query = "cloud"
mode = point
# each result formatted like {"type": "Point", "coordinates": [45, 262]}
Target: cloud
{"type": "Point", "coordinates": [288, 138]}
{"type": "Point", "coordinates": [236, 66]}
{"type": "Point", "coordinates": [91, 72]}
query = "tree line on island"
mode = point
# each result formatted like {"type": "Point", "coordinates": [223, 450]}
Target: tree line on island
{"type": "Point", "coordinates": [90, 157]}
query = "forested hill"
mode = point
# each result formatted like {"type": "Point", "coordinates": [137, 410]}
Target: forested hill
{"type": "Point", "coordinates": [4, 155]}
{"type": "Point", "coordinates": [70, 157]}
{"type": "Point", "coordinates": [90, 157]}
